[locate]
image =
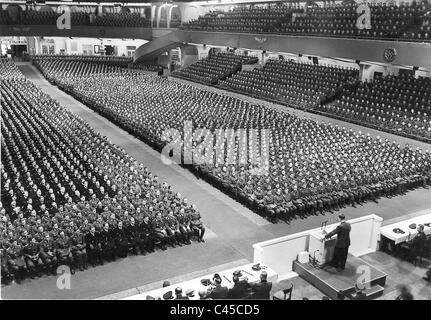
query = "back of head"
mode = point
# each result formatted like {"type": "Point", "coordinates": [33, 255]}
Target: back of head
{"type": "Point", "coordinates": [217, 278]}
{"type": "Point", "coordinates": [203, 293]}
{"type": "Point", "coordinates": [178, 291]}
{"type": "Point", "coordinates": [263, 276]}
{"type": "Point", "coordinates": [235, 279]}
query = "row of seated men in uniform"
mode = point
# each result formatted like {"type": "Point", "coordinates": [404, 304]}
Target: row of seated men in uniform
{"type": "Point", "coordinates": [312, 166]}
{"type": "Point", "coordinates": [399, 104]}
{"type": "Point", "coordinates": [214, 67]}
{"type": "Point", "coordinates": [64, 66]}
{"type": "Point", "coordinates": [302, 85]}
{"type": "Point", "coordinates": [59, 175]}
{"type": "Point", "coordinates": [37, 245]}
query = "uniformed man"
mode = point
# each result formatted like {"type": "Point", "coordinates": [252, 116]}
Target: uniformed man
{"type": "Point", "coordinates": [173, 229]}
{"type": "Point", "coordinates": [79, 251]}
{"type": "Point", "coordinates": [196, 224]}
{"type": "Point", "coordinates": [94, 248]}
{"type": "Point", "coordinates": [147, 235]}
{"type": "Point", "coordinates": [133, 237]}
{"type": "Point", "coordinates": [184, 221]}
{"type": "Point", "coordinates": [107, 242]}
{"type": "Point", "coordinates": [121, 240]}
{"type": "Point", "coordinates": [64, 251]}
{"type": "Point", "coordinates": [17, 265]}
{"type": "Point", "coordinates": [160, 232]}
{"type": "Point", "coordinates": [6, 276]}
{"type": "Point", "coordinates": [32, 258]}
{"type": "Point", "coordinates": [48, 254]}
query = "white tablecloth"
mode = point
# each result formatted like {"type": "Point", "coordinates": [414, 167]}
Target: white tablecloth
{"type": "Point", "coordinates": [195, 284]}
{"type": "Point", "coordinates": [388, 232]}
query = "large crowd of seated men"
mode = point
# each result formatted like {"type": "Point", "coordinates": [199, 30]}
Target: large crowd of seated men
{"type": "Point", "coordinates": [215, 67]}
{"type": "Point", "coordinates": [399, 104]}
{"type": "Point", "coordinates": [302, 85]}
{"type": "Point", "coordinates": [388, 20]}
{"type": "Point", "coordinates": [246, 19]}
{"type": "Point", "coordinates": [34, 17]}
{"type": "Point", "coordinates": [69, 196]}
{"type": "Point", "coordinates": [312, 166]}
{"type": "Point", "coordinates": [63, 66]}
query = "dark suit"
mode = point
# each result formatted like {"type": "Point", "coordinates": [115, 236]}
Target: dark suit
{"type": "Point", "coordinates": [342, 245]}
{"type": "Point", "coordinates": [261, 290]}
{"type": "Point", "coordinates": [219, 292]}
{"type": "Point", "coordinates": [238, 291]}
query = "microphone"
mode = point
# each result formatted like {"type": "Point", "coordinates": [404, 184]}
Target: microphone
{"type": "Point", "coordinates": [324, 223]}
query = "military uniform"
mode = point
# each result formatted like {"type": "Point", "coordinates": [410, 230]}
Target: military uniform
{"type": "Point", "coordinates": [107, 242]}
{"type": "Point", "coordinates": [147, 236]}
{"type": "Point", "coordinates": [160, 232]}
{"type": "Point", "coordinates": [133, 238]}
{"type": "Point", "coordinates": [94, 249]}
{"type": "Point", "coordinates": [197, 225]}
{"type": "Point", "coordinates": [173, 230]}
{"type": "Point", "coordinates": [79, 251]}
{"type": "Point", "coordinates": [121, 242]}
{"type": "Point", "coordinates": [48, 254]}
{"type": "Point", "coordinates": [184, 224]}
{"type": "Point", "coordinates": [16, 262]}
{"type": "Point", "coordinates": [64, 252]}
{"type": "Point", "coordinates": [6, 276]}
{"type": "Point", "coordinates": [32, 258]}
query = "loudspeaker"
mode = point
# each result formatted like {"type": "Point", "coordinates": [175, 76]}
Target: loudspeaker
{"type": "Point", "coordinates": [315, 60]}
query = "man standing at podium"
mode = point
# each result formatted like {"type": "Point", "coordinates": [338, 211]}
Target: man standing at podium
{"type": "Point", "coordinates": [342, 245]}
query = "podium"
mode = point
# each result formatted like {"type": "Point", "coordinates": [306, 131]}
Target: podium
{"type": "Point", "coordinates": [321, 252]}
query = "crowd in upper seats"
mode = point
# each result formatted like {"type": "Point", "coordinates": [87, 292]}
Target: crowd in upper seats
{"type": "Point", "coordinates": [391, 21]}
{"type": "Point", "coordinates": [215, 67]}
{"type": "Point", "coordinates": [401, 104]}
{"type": "Point", "coordinates": [302, 85]}
{"type": "Point", "coordinates": [311, 166]}
{"type": "Point", "coordinates": [387, 21]}
{"type": "Point", "coordinates": [68, 194]}
{"type": "Point", "coordinates": [33, 17]}
{"type": "Point", "coordinates": [246, 19]}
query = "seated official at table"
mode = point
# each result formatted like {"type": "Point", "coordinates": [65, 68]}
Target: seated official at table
{"type": "Point", "coordinates": [179, 294]}
{"type": "Point", "coordinates": [342, 245]}
{"type": "Point", "coordinates": [239, 290]}
{"type": "Point", "coordinates": [203, 294]}
{"type": "Point", "coordinates": [218, 291]}
{"type": "Point", "coordinates": [262, 289]}
{"type": "Point", "coordinates": [415, 246]}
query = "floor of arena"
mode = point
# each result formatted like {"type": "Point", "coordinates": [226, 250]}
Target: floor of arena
{"type": "Point", "coordinates": [232, 229]}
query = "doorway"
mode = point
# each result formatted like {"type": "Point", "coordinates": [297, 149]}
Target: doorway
{"type": "Point", "coordinates": [17, 50]}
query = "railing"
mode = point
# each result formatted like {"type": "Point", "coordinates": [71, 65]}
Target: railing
{"type": "Point", "coordinates": [181, 28]}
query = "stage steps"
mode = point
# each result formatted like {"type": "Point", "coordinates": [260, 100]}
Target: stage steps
{"type": "Point", "coordinates": [374, 292]}
{"type": "Point", "coordinates": [331, 282]}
